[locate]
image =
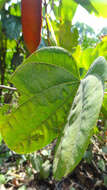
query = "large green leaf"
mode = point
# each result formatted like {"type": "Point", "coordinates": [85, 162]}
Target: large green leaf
{"type": "Point", "coordinates": [55, 56]}
{"type": "Point", "coordinates": [46, 94]}
{"type": "Point", "coordinates": [78, 130]}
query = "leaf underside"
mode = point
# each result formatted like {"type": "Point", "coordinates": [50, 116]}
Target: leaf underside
{"type": "Point", "coordinates": [79, 127]}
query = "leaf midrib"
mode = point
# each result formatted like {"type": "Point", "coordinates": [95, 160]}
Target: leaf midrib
{"type": "Point", "coordinates": [66, 100]}
{"type": "Point", "coordinates": [44, 91]}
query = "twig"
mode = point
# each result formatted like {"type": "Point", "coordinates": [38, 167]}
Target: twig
{"type": "Point", "coordinates": [45, 5]}
{"type": "Point", "coordinates": [8, 87]}
{"type": "Point", "coordinates": [97, 169]}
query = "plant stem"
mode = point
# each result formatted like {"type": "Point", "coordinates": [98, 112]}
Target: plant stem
{"type": "Point", "coordinates": [8, 88]}
{"type": "Point", "coordinates": [2, 60]}
{"type": "Point", "coordinates": [45, 5]}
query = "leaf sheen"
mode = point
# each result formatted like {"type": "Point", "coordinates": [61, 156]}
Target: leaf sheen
{"type": "Point", "coordinates": [78, 130]}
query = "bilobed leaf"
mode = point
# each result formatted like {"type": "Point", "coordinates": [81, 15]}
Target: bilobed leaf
{"type": "Point", "coordinates": [79, 128]}
{"type": "Point", "coordinates": [46, 94]}
{"type": "Point", "coordinates": [55, 56]}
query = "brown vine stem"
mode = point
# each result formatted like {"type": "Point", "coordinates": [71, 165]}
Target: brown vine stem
{"type": "Point", "coordinates": [8, 88]}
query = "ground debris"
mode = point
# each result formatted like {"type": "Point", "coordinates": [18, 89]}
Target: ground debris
{"type": "Point", "coordinates": [22, 172]}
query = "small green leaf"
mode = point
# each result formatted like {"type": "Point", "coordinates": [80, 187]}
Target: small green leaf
{"type": "Point", "coordinates": [22, 188]}
{"type": "Point", "coordinates": [68, 9]}
{"type": "Point", "coordinates": [2, 179]}
{"type": "Point", "coordinates": [45, 170]}
{"type": "Point", "coordinates": [79, 128]}
{"type": "Point", "coordinates": [72, 188]}
{"type": "Point", "coordinates": [71, 33]}
{"type": "Point", "coordinates": [101, 165]}
{"type": "Point", "coordinates": [104, 149]}
{"type": "Point", "coordinates": [105, 180]}
{"type": "Point", "coordinates": [88, 156]}
{"type": "Point", "coordinates": [37, 162]}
